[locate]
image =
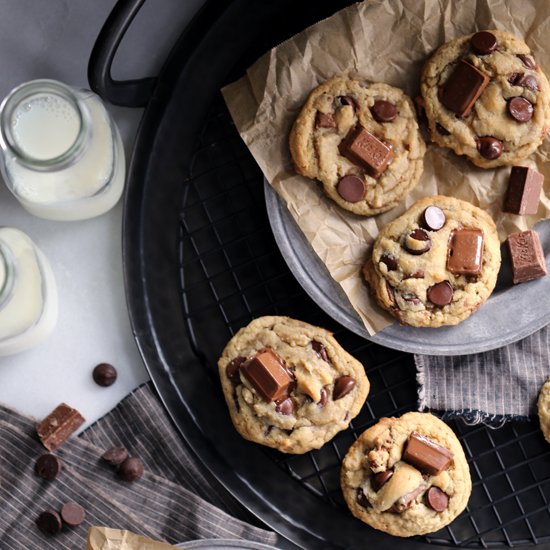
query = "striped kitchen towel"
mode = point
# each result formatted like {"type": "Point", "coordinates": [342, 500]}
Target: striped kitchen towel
{"type": "Point", "coordinates": [492, 387]}
{"type": "Point", "coordinates": [175, 500]}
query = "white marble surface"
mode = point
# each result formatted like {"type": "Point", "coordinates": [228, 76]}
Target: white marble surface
{"type": "Point", "coordinates": [53, 39]}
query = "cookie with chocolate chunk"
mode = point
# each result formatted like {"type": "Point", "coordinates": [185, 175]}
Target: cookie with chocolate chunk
{"type": "Point", "coordinates": [436, 263]}
{"type": "Point", "coordinates": [406, 476]}
{"type": "Point", "coordinates": [361, 141]}
{"type": "Point", "coordinates": [543, 409]}
{"type": "Point", "coordinates": [290, 385]}
{"type": "Point", "coordinates": [485, 97]}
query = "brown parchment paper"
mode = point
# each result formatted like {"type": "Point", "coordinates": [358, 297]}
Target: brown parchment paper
{"type": "Point", "coordinates": [104, 538]}
{"type": "Point", "coordinates": [386, 41]}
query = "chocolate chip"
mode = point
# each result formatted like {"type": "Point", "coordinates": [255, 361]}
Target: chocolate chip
{"type": "Point", "coordinates": [324, 398]}
{"type": "Point", "coordinates": [390, 261]}
{"type": "Point", "coordinates": [324, 120]}
{"type": "Point", "coordinates": [115, 456]}
{"type": "Point", "coordinates": [49, 522]}
{"type": "Point", "coordinates": [383, 111]}
{"type": "Point", "coordinates": [391, 293]}
{"type": "Point", "coordinates": [342, 386]}
{"type": "Point", "coordinates": [286, 406]}
{"type": "Point", "coordinates": [413, 298]}
{"type": "Point", "coordinates": [527, 61]}
{"type": "Point", "coordinates": [104, 374]}
{"type": "Point", "coordinates": [442, 130]}
{"type": "Point", "coordinates": [320, 350]}
{"type": "Point", "coordinates": [72, 514]}
{"type": "Point", "coordinates": [437, 499]}
{"type": "Point", "coordinates": [489, 147]}
{"type": "Point", "coordinates": [348, 100]}
{"type": "Point", "coordinates": [433, 218]}
{"type": "Point", "coordinates": [484, 42]}
{"type": "Point", "coordinates": [513, 78]}
{"type": "Point", "coordinates": [362, 499]}
{"type": "Point", "coordinates": [520, 109]}
{"type": "Point", "coordinates": [48, 466]}
{"type": "Point", "coordinates": [351, 188]}
{"type": "Point", "coordinates": [440, 294]}
{"type": "Point", "coordinates": [418, 242]}
{"type": "Point", "coordinates": [380, 478]}
{"type": "Point", "coordinates": [232, 369]}
{"type": "Point", "coordinates": [527, 81]}
{"type": "Point", "coordinates": [131, 469]}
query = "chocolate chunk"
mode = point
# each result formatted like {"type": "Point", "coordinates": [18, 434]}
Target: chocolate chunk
{"type": "Point", "coordinates": [324, 398]}
{"type": "Point", "coordinates": [268, 375]}
{"type": "Point", "coordinates": [413, 298]}
{"type": "Point", "coordinates": [417, 242]}
{"type": "Point", "coordinates": [484, 42]}
{"type": "Point", "coordinates": [463, 88]}
{"type": "Point", "coordinates": [366, 150]}
{"type": "Point", "coordinates": [390, 261]}
{"type": "Point", "coordinates": [523, 194]}
{"type": "Point", "coordinates": [380, 478]}
{"type": "Point", "coordinates": [406, 501]}
{"type": "Point", "coordinates": [513, 78]}
{"type": "Point", "coordinates": [286, 406]}
{"type": "Point", "coordinates": [56, 428]}
{"type": "Point", "coordinates": [433, 218]}
{"type": "Point", "coordinates": [324, 120]}
{"type": "Point", "coordinates": [527, 256]}
{"type": "Point", "coordinates": [131, 469]}
{"type": "Point", "coordinates": [320, 350]}
{"type": "Point", "coordinates": [442, 130]}
{"type": "Point", "coordinates": [48, 466]}
{"type": "Point", "coordinates": [233, 367]}
{"type": "Point", "coordinates": [527, 61]}
{"type": "Point", "coordinates": [440, 294]}
{"type": "Point", "coordinates": [489, 147]}
{"type": "Point", "coordinates": [362, 499]}
{"type": "Point", "coordinates": [104, 374]}
{"type": "Point", "coordinates": [49, 522]}
{"type": "Point", "coordinates": [465, 252]}
{"type": "Point", "coordinates": [437, 499]}
{"type": "Point", "coordinates": [520, 109]}
{"type": "Point", "coordinates": [72, 514]}
{"type": "Point", "coordinates": [527, 81]}
{"type": "Point", "coordinates": [348, 100]}
{"type": "Point", "coordinates": [351, 188]}
{"type": "Point", "coordinates": [416, 275]}
{"type": "Point", "coordinates": [427, 455]}
{"type": "Point", "coordinates": [391, 293]}
{"type": "Point", "coordinates": [115, 456]}
{"type": "Point", "coordinates": [383, 111]}
{"type": "Point", "coordinates": [342, 386]}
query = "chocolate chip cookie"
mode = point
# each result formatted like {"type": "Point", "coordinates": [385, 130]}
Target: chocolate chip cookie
{"type": "Point", "coordinates": [435, 264]}
{"type": "Point", "coordinates": [406, 476]}
{"type": "Point", "coordinates": [485, 97]}
{"type": "Point", "coordinates": [361, 141]}
{"type": "Point", "coordinates": [290, 385]}
{"type": "Point", "coordinates": [543, 409]}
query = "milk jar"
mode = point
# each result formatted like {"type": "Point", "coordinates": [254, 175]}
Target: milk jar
{"type": "Point", "coordinates": [62, 155]}
{"type": "Point", "coordinates": [28, 295]}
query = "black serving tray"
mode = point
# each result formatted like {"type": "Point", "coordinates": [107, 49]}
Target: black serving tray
{"type": "Point", "coordinates": [200, 262]}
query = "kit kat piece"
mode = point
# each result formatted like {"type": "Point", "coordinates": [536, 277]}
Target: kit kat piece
{"type": "Point", "coordinates": [524, 187]}
{"type": "Point", "coordinates": [427, 455]}
{"type": "Point", "coordinates": [527, 256]}
{"type": "Point", "coordinates": [57, 427]}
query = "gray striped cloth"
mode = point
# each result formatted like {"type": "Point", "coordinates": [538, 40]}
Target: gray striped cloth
{"type": "Point", "coordinates": [174, 501]}
{"type": "Point", "coordinates": [492, 387]}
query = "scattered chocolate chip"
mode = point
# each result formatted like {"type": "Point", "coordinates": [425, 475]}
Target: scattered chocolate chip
{"type": "Point", "coordinates": [348, 100]}
{"type": "Point", "coordinates": [48, 466]}
{"type": "Point", "coordinates": [131, 469]}
{"type": "Point", "coordinates": [489, 147]}
{"type": "Point", "coordinates": [362, 499]}
{"type": "Point", "coordinates": [390, 261]}
{"type": "Point", "coordinates": [442, 130]}
{"type": "Point", "coordinates": [57, 427]}
{"type": "Point", "coordinates": [440, 294]}
{"type": "Point", "coordinates": [437, 499]}
{"type": "Point", "coordinates": [380, 478]}
{"type": "Point", "coordinates": [418, 242]}
{"type": "Point", "coordinates": [342, 386]}
{"type": "Point", "coordinates": [484, 42]}
{"type": "Point", "coordinates": [383, 111]}
{"type": "Point", "coordinates": [232, 369]}
{"type": "Point", "coordinates": [416, 275]}
{"type": "Point", "coordinates": [527, 81]}
{"type": "Point", "coordinates": [351, 188]}
{"type": "Point", "coordinates": [324, 398]}
{"type": "Point", "coordinates": [104, 374]}
{"type": "Point", "coordinates": [324, 120]}
{"type": "Point", "coordinates": [520, 109]}
{"type": "Point", "coordinates": [286, 406]}
{"type": "Point", "coordinates": [115, 456]}
{"type": "Point", "coordinates": [72, 514]}
{"type": "Point", "coordinates": [49, 522]}
{"type": "Point", "coordinates": [527, 61]}
{"type": "Point", "coordinates": [433, 218]}
{"type": "Point", "coordinates": [320, 350]}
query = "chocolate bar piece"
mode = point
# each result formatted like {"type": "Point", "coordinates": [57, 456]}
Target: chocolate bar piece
{"type": "Point", "coordinates": [56, 428]}
{"type": "Point", "coordinates": [524, 187]}
{"type": "Point", "coordinates": [527, 257]}
{"type": "Point", "coordinates": [426, 455]}
{"type": "Point", "coordinates": [463, 88]}
{"type": "Point", "coordinates": [366, 150]}
{"type": "Point", "coordinates": [465, 253]}
{"type": "Point", "coordinates": [268, 375]}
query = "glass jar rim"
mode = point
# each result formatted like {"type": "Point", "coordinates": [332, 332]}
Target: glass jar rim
{"type": "Point", "coordinates": [6, 289]}
{"type": "Point", "coordinates": [17, 96]}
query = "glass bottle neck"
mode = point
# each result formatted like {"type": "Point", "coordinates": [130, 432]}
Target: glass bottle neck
{"type": "Point", "coordinates": [7, 274]}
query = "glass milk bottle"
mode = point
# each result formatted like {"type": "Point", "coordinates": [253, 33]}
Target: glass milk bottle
{"type": "Point", "coordinates": [28, 295]}
{"type": "Point", "coordinates": [62, 155]}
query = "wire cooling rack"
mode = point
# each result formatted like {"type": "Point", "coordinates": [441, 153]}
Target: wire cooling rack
{"type": "Point", "coordinates": [232, 272]}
